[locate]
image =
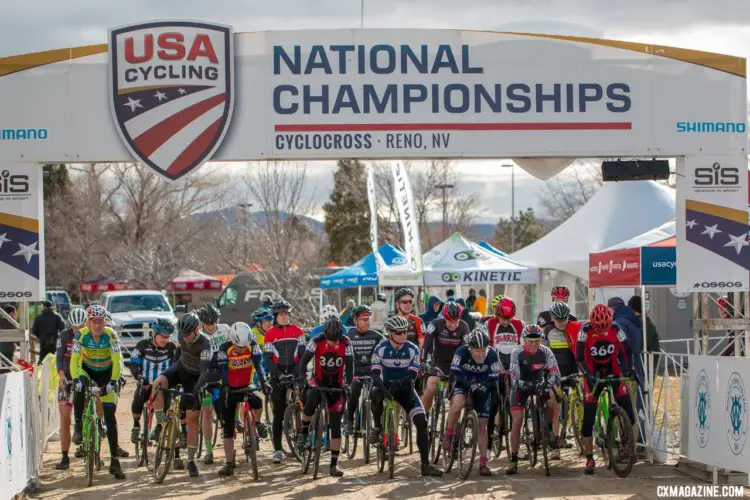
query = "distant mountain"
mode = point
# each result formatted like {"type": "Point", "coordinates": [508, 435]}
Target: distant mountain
{"type": "Point", "coordinates": [233, 216]}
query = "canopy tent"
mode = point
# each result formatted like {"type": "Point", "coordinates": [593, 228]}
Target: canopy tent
{"type": "Point", "coordinates": [103, 284]}
{"type": "Point", "coordinates": [492, 249]}
{"type": "Point", "coordinates": [188, 279]}
{"type": "Point", "coordinates": [618, 211]}
{"type": "Point", "coordinates": [649, 259]}
{"type": "Point", "coordinates": [364, 271]}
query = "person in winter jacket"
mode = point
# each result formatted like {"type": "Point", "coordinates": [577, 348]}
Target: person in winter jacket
{"type": "Point", "coordinates": [631, 325]}
{"type": "Point", "coordinates": [652, 334]}
{"type": "Point", "coordinates": [45, 328]}
{"type": "Point", "coordinates": [432, 310]}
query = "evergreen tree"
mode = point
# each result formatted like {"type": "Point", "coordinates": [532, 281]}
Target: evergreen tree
{"type": "Point", "coordinates": [347, 214]}
{"type": "Point", "coordinates": [528, 230]}
{"type": "Point", "coordinates": [55, 179]}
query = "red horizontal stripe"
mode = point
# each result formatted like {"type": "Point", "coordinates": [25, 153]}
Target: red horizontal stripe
{"type": "Point", "coordinates": [363, 127]}
{"type": "Point", "coordinates": [152, 139]}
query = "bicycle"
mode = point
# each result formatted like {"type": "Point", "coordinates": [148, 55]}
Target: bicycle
{"type": "Point", "coordinates": [437, 412]}
{"type": "Point", "coordinates": [535, 434]}
{"type": "Point", "coordinates": [468, 424]}
{"type": "Point", "coordinates": [609, 415]}
{"type": "Point", "coordinates": [406, 432]}
{"type": "Point", "coordinates": [362, 422]}
{"type": "Point", "coordinates": [292, 423]}
{"type": "Point", "coordinates": [91, 439]}
{"type": "Point", "coordinates": [250, 437]}
{"type": "Point", "coordinates": [170, 433]}
{"type": "Point", "coordinates": [501, 431]}
{"type": "Point", "coordinates": [387, 446]}
{"type": "Point", "coordinates": [216, 424]}
{"type": "Point", "coordinates": [311, 452]}
{"type": "Point", "coordinates": [147, 417]}
{"type": "Point", "coordinates": [571, 411]}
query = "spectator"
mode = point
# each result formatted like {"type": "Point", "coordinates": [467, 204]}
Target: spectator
{"type": "Point", "coordinates": [432, 310]}
{"type": "Point", "coordinates": [8, 348]}
{"type": "Point", "coordinates": [346, 314]}
{"type": "Point", "coordinates": [652, 335]}
{"type": "Point", "coordinates": [379, 312]}
{"type": "Point", "coordinates": [471, 299]}
{"type": "Point", "coordinates": [466, 315]}
{"type": "Point", "coordinates": [450, 295]}
{"type": "Point", "coordinates": [267, 302]}
{"type": "Point", "coordinates": [45, 329]}
{"type": "Point", "coordinates": [480, 304]}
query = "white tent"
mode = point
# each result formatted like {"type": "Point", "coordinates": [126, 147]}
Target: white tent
{"type": "Point", "coordinates": [617, 212]}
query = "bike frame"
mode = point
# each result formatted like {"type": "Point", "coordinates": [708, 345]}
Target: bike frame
{"type": "Point", "coordinates": [606, 399]}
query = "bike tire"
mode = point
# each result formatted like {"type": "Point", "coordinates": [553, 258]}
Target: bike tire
{"type": "Point", "coordinates": [292, 415]}
{"type": "Point", "coordinates": [251, 444]}
{"type": "Point", "coordinates": [434, 444]}
{"type": "Point", "coordinates": [367, 422]}
{"type": "Point", "coordinates": [307, 453]}
{"type": "Point", "coordinates": [392, 433]}
{"type": "Point", "coordinates": [381, 445]}
{"type": "Point", "coordinates": [165, 449]}
{"type": "Point", "coordinates": [319, 421]}
{"type": "Point", "coordinates": [619, 418]}
{"type": "Point", "coordinates": [199, 451]}
{"type": "Point", "coordinates": [405, 432]}
{"type": "Point", "coordinates": [142, 444]}
{"type": "Point", "coordinates": [350, 441]}
{"type": "Point", "coordinates": [497, 431]}
{"type": "Point", "coordinates": [506, 427]}
{"type": "Point", "coordinates": [90, 448]}
{"type": "Point", "coordinates": [576, 418]}
{"type": "Point", "coordinates": [564, 416]}
{"type": "Point", "coordinates": [471, 423]}
{"type": "Point", "coordinates": [528, 434]}
{"type": "Point", "coordinates": [541, 431]}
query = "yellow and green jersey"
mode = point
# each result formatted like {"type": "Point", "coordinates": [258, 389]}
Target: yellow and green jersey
{"type": "Point", "coordinates": [95, 355]}
{"type": "Point", "coordinates": [260, 337]}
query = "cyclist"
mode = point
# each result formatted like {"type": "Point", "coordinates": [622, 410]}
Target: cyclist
{"type": "Point", "coordinates": [560, 293]}
{"type": "Point", "coordinates": [404, 298]}
{"type": "Point", "coordinates": [444, 335]}
{"type": "Point", "coordinates": [364, 340]}
{"type": "Point", "coordinates": [529, 365]}
{"type": "Point", "coordinates": [235, 361]}
{"type": "Point", "coordinates": [560, 335]}
{"type": "Point", "coordinates": [601, 351]}
{"type": "Point", "coordinates": [395, 365]}
{"type": "Point", "coordinates": [475, 367]}
{"type": "Point", "coordinates": [505, 335]}
{"type": "Point", "coordinates": [328, 311]}
{"type": "Point", "coordinates": [190, 366]}
{"type": "Point", "coordinates": [217, 333]}
{"type": "Point", "coordinates": [334, 367]}
{"type": "Point", "coordinates": [96, 357]}
{"type": "Point", "coordinates": [77, 318]}
{"type": "Point", "coordinates": [284, 346]}
{"type": "Point", "coordinates": [148, 360]}
{"type": "Point", "coordinates": [262, 321]}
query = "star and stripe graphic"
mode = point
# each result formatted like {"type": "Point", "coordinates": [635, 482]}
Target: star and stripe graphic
{"type": "Point", "coordinates": [718, 229]}
{"type": "Point", "coordinates": [19, 243]}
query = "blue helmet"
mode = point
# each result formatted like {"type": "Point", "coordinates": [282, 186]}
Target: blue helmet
{"type": "Point", "coordinates": [162, 326]}
{"type": "Point", "coordinates": [262, 314]}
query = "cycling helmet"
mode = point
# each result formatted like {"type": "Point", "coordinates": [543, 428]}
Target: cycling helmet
{"type": "Point", "coordinates": [361, 310]}
{"type": "Point", "coordinates": [532, 331]}
{"type": "Point", "coordinates": [188, 323]}
{"type": "Point", "coordinates": [401, 292]}
{"type": "Point", "coordinates": [281, 306]}
{"type": "Point", "coordinates": [77, 317]}
{"type": "Point", "coordinates": [495, 301]}
{"type": "Point", "coordinates": [333, 329]}
{"type": "Point", "coordinates": [479, 338]}
{"type": "Point", "coordinates": [723, 303]}
{"type": "Point", "coordinates": [328, 311]}
{"type": "Point", "coordinates": [96, 311]}
{"type": "Point", "coordinates": [452, 311]}
{"type": "Point", "coordinates": [559, 310]}
{"type": "Point", "coordinates": [381, 297]}
{"type": "Point", "coordinates": [240, 334]}
{"type": "Point", "coordinates": [396, 324]}
{"type": "Point", "coordinates": [560, 292]}
{"type": "Point", "coordinates": [162, 326]}
{"type": "Point", "coordinates": [208, 314]}
{"type": "Point", "coordinates": [600, 318]}
{"type": "Point", "coordinates": [506, 308]}
{"type": "Point", "coordinates": [262, 314]}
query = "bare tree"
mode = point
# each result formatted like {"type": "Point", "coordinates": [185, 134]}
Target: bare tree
{"type": "Point", "coordinates": [564, 194]}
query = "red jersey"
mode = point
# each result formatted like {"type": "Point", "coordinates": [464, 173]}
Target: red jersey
{"type": "Point", "coordinates": [330, 360]}
{"type": "Point", "coordinates": [240, 366]}
{"type": "Point", "coordinates": [284, 345]}
{"type": "Point", "coordinates": [415, 333]}
{"type": "Point", "coordinates": [599, 351]}
{"type": "Point", "coordinates": [504, 338]}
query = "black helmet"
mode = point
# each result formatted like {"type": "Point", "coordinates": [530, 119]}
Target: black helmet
{"type": "Point", "coordinates": [208, 314]}
{"type": "Point", "coordinates": [162, 326]}
{"type": "Point", "coordinates": [401, 292]}
{"type": "Point", "coordinates": [479, 338]}
{"type": "Point", "coordinates": [559, 310]}
{"type": "Point", "coordinates": [333, 329]}
{"type": "Point", "coordinates": [188, 323]}
{"type": "Point", "coordinates": [281, 306]}
{"type": "Point", "coordinates": [361, 310]}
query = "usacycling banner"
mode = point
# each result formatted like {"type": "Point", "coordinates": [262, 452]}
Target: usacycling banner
{"type": "Point", "coordinates": [372, 199]}
{"type": "Point", "coordinates": [407, 216]}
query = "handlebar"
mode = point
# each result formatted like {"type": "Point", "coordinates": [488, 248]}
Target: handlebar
{"type": "Point", "coordinates": [245, 390]}
{"type": "Point", "coordinates": [572, 376]}
{"type": "Point", "coordinates": [328, 390]}
{"type": "Point", "coordinates": [612, 380]}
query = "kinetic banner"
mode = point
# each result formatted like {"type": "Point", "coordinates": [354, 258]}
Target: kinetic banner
{"type": "Point", "coordinates": [405, 202]}
{"type": "Point", "coordinates": [21, 233]}
{"type": "Point", "coordinates": [372, 199]}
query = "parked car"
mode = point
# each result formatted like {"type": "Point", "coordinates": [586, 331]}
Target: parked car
{"type": "Point", "coordinates": [61, 300]}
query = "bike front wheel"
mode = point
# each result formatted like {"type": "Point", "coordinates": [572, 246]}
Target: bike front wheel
{"type": "Point", "coordinates": [528, 433]}
{"type": "Point", "coordinates": [90, 433]}
{"type": "Point", "coordinates": [319, 423]}
{"type": "Point", "coordinates": [292, 425]}
{"type": "Point", "coordinates": [467, 444]}
{"type": "Point", "coordinates": [540, 434]}
{"type": "Point", "coordinates": [367, 425]}
{"type": "Point", "coordinates": [251, 443]}
{"type": "Point", "coordinates": [620, 442]}
{"type": "Point", "coordinates": [392, 433]}
{"type": "Point", "coordinates": [165, 449]}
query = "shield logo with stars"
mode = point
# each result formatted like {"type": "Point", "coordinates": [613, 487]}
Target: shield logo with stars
{"type": "Point", "coordinates": [172, 85]}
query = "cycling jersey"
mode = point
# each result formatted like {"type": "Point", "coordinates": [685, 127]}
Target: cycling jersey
{"type": "Point", "coordinates": [503, 339]}
{"type": "Point", "coordinates": [194, 357]}
{"type": "Point", "coordinates": [150, 361]}
{"type": "Point", "coordinates": [97, 356]}
{"type": "Point", "coordinates": [561, 342]}
{"type": "Point", "coordinates": [529, 369]}
{"type": "Point", "coordinates": [441, 343]}
{"type": "Point", "coordinates": [284, 346]}
{"type": "Point", "coordinates": [390, 363]}
{"type": "Point", "coordinates": [334, 363]}
{"type": "Point", "coordinates": [466, 369]}
{"type": "Point", "coordinates": [599, 353]}
{"type": "Point", "coordinates": [415, 333]}
{"type": "Point", "coordinates": [545, 318]}
{"type": "Point", "coordinates": [260, 336]}
{"type": "Point", "coordinates": [364, 345]}
{"type": "Point", "coordinates": [65, 342]}
{"type": "Point", "coordinates": [217, 338]}
{"type": "Point", "coordinates": [236, 368]}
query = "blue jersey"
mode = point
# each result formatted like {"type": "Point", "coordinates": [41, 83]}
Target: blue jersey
{"type": "Point", "coordinates": [150, 361]}
{"type": "Point", "coordinates": [465, 368]}
{"type": "Point", "coordinates": [318, 329]}
{"type": "Point", "coordinates": [394, 364]}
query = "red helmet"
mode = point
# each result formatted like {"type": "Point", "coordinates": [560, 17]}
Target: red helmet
{"type": "Point", "coordinates": [506, 308]}
{"type": "Point", "coordinates": [560, 292]}
{"type": "Point", "coordinates": [600, 318]}
{"type": "Point", "coordinates": [723, 302]}
{"type": "Point", "coordinates": [452, 311]}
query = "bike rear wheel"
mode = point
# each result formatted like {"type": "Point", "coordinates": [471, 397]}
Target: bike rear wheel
{"type": "Point", "coordinates": [620, 442]}
{"type": "Point", "coordinates": [467, 445]}
{"type": "Point", "coordinates": [367, 425]}
{"type": "Point", "coordinates": [292, 424]}
{"type": "Point", "coordinates": [392, 433]}
{"type": "Point", "coordinates": [143, 439]}
{"type": "Point", "coordinates": [540, 433]}
{"type": "Point", "coordinates": [576, 418]}
{"type": "Point", "coordinates": [437, 428]}
{"type": "Point", "coordinates": [90, 432]}
{"type": "Point", "coordinates": [251, 443]}
{"type": "Point", "coordinates": [528, 432]}
{"type": "Point", "coordinates": [319, 421]}
{"type": "Point", "coordinates": [165, 449]}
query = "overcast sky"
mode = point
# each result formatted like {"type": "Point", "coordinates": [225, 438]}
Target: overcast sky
{"type": "Point", "coordinates": [712, 25]}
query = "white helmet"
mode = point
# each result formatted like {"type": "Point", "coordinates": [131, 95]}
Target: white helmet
{"type": "Point", "coordinates": [77, 317]}
{"type": "Point", "coordinates": [240, 334]}
{"type": "Point", "coordinates": [329, 311]}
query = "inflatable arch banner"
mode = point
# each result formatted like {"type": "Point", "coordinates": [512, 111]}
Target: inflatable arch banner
{"type": "Point", "coordinates": [173, 94]}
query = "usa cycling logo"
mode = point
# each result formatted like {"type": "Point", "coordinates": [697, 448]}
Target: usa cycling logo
{"type": "Point", "coordinates": [735, 413]}
{"type": "Point", "coordinates": [702, 409]}
{"type": "Point", "coordinates": [172, 91]}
